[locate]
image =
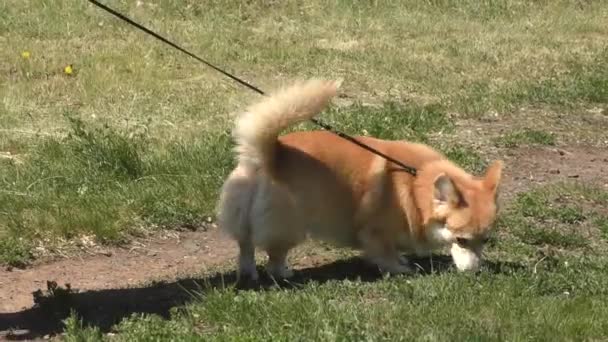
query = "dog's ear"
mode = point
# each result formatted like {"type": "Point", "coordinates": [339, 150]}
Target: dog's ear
{"type": "Point", "coordinates": [492, 176]}
{"type": "Point", "coordinates": [446, 192]}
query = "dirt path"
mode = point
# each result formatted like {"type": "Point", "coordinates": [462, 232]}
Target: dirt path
{"type": "Point", "coordinates": [526, 167]}
{"type": "Point", "coordinates": [190, 253]}
{"type": "Point", "coordinates": [165, 258]}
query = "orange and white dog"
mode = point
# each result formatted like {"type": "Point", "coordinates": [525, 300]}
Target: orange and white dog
{"type": "Point", "coordinates": [314, 183]}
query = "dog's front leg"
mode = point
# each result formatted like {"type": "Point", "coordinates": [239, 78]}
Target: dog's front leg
{"type": "Point", "coordinates": [380, 250]}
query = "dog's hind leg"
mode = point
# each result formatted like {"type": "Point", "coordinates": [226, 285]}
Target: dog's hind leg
{"type": "Point", "coordinates": [247, 267]}
{"type": "Point", "coordinates": [276, 227]}
{"type": "Point", "coordinates": [233, 217]}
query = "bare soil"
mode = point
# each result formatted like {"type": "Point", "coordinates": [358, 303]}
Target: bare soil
{"type": "Point", "coordinates": [155, 275]}
{"type": "Point", "coordinates": [163, 258]}
{"type": "Point", "coordinates": [527, 167]}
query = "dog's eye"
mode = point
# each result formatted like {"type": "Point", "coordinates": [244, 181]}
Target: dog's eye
{"type": "Point", "coordinates": [462, 241]}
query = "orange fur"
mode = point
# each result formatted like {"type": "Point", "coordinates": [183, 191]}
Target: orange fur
{"type": "Point", "coordinates": [317, 184]}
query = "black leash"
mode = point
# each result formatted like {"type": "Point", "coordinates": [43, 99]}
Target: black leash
{"type": "Point", "coordinates": [327, 127]}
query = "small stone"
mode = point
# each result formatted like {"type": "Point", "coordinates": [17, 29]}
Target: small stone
{"type": "Point", "coordinates": [191, 247]}
{"type": "Point", "coordinates": [554, 171]}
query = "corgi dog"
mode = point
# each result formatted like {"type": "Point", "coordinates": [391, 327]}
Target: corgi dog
{"type": "Point", "coordinates": [286, 188]}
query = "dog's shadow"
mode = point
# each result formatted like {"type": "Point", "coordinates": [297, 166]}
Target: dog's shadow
{"type": "Point", "coordinates": [104, 308]}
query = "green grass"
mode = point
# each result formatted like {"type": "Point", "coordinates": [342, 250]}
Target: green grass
{"type": "Point", "coordinates": [525, 137]}
{"type": "Point", "coordinates": [541, 236]}
{"type": "Point", "coordinates": [489, 307]}
{"type": "Point", "coordinates": [559, 216]}
{"type": "Point", "coordinates": [392, 120]}
{"type": "Point", "coordinates": [155, 146]}
{"type": "Point", "coordinates": [77, 332]}
{"type": "Point", "coordinates": [15, 251]}
{"type": "Point", "coordinates": [110, 183]}
{"type": "Point", "coordinates": [466, 157]}
{"type": "Point", "coordinates": [564, 215]}
{"type": "Point", "coordinates": [389, 120]}
{"type": "Point", "coordinates": [113, 182]}
{"type": "Point", "coordinates": [137, 140]}
{"type": "Point", "coordinates": [602, 224]}
{"type": "Point", "coordinates": [489, 57]}
{"type": "Point", "coordinates": [524, 292]}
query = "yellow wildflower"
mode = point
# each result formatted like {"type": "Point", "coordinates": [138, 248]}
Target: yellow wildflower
{"type": "Point", "coordinates": [25, 54]}
{"type": "Point", "coordinates": [68, 69]}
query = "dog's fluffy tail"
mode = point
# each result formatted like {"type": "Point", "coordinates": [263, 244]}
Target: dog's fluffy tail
{"type": "Point", "coordinates": [257, 129]}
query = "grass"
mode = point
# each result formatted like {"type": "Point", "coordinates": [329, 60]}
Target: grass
{"type": "Point", "coordinates": [354, 311]}
{"type": "Point", "coordinates": [525, 137]}
{"type": "Point", "coordinates": [538, 285]}
{"type": "Point", "coordinates": [561, 216]}
{"type": "Point", "coordinates": [77, 332]}
{"type": "Point", "coordinates": [465, 157]}
{"type": "Point", "coordinates": [522, 55]}
{"type": "Point", "coordinates": [602, 223]}
{"type": "Point", "coordinates": [15, 251]}
{"type": "Point", "coordinates": [391, 120]}
{"type": "Point", "coordinates": [523, 293]}
{"type": "Point", "coordinates": [137, 139]}
{"type": "Point", "coordinates": [108, 183]}
{"type": "Point", "coordinates": [114, 182]}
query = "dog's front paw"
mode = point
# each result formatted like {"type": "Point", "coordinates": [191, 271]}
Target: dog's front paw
{"type": "Point", "coordinates": [395, 267]}
{"type": "Point", "coordinates": [279, 271]}
{"type": "Point", "coordinates": [403, 260]}
{"type": "Point", "coordinates": [248, 275]}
